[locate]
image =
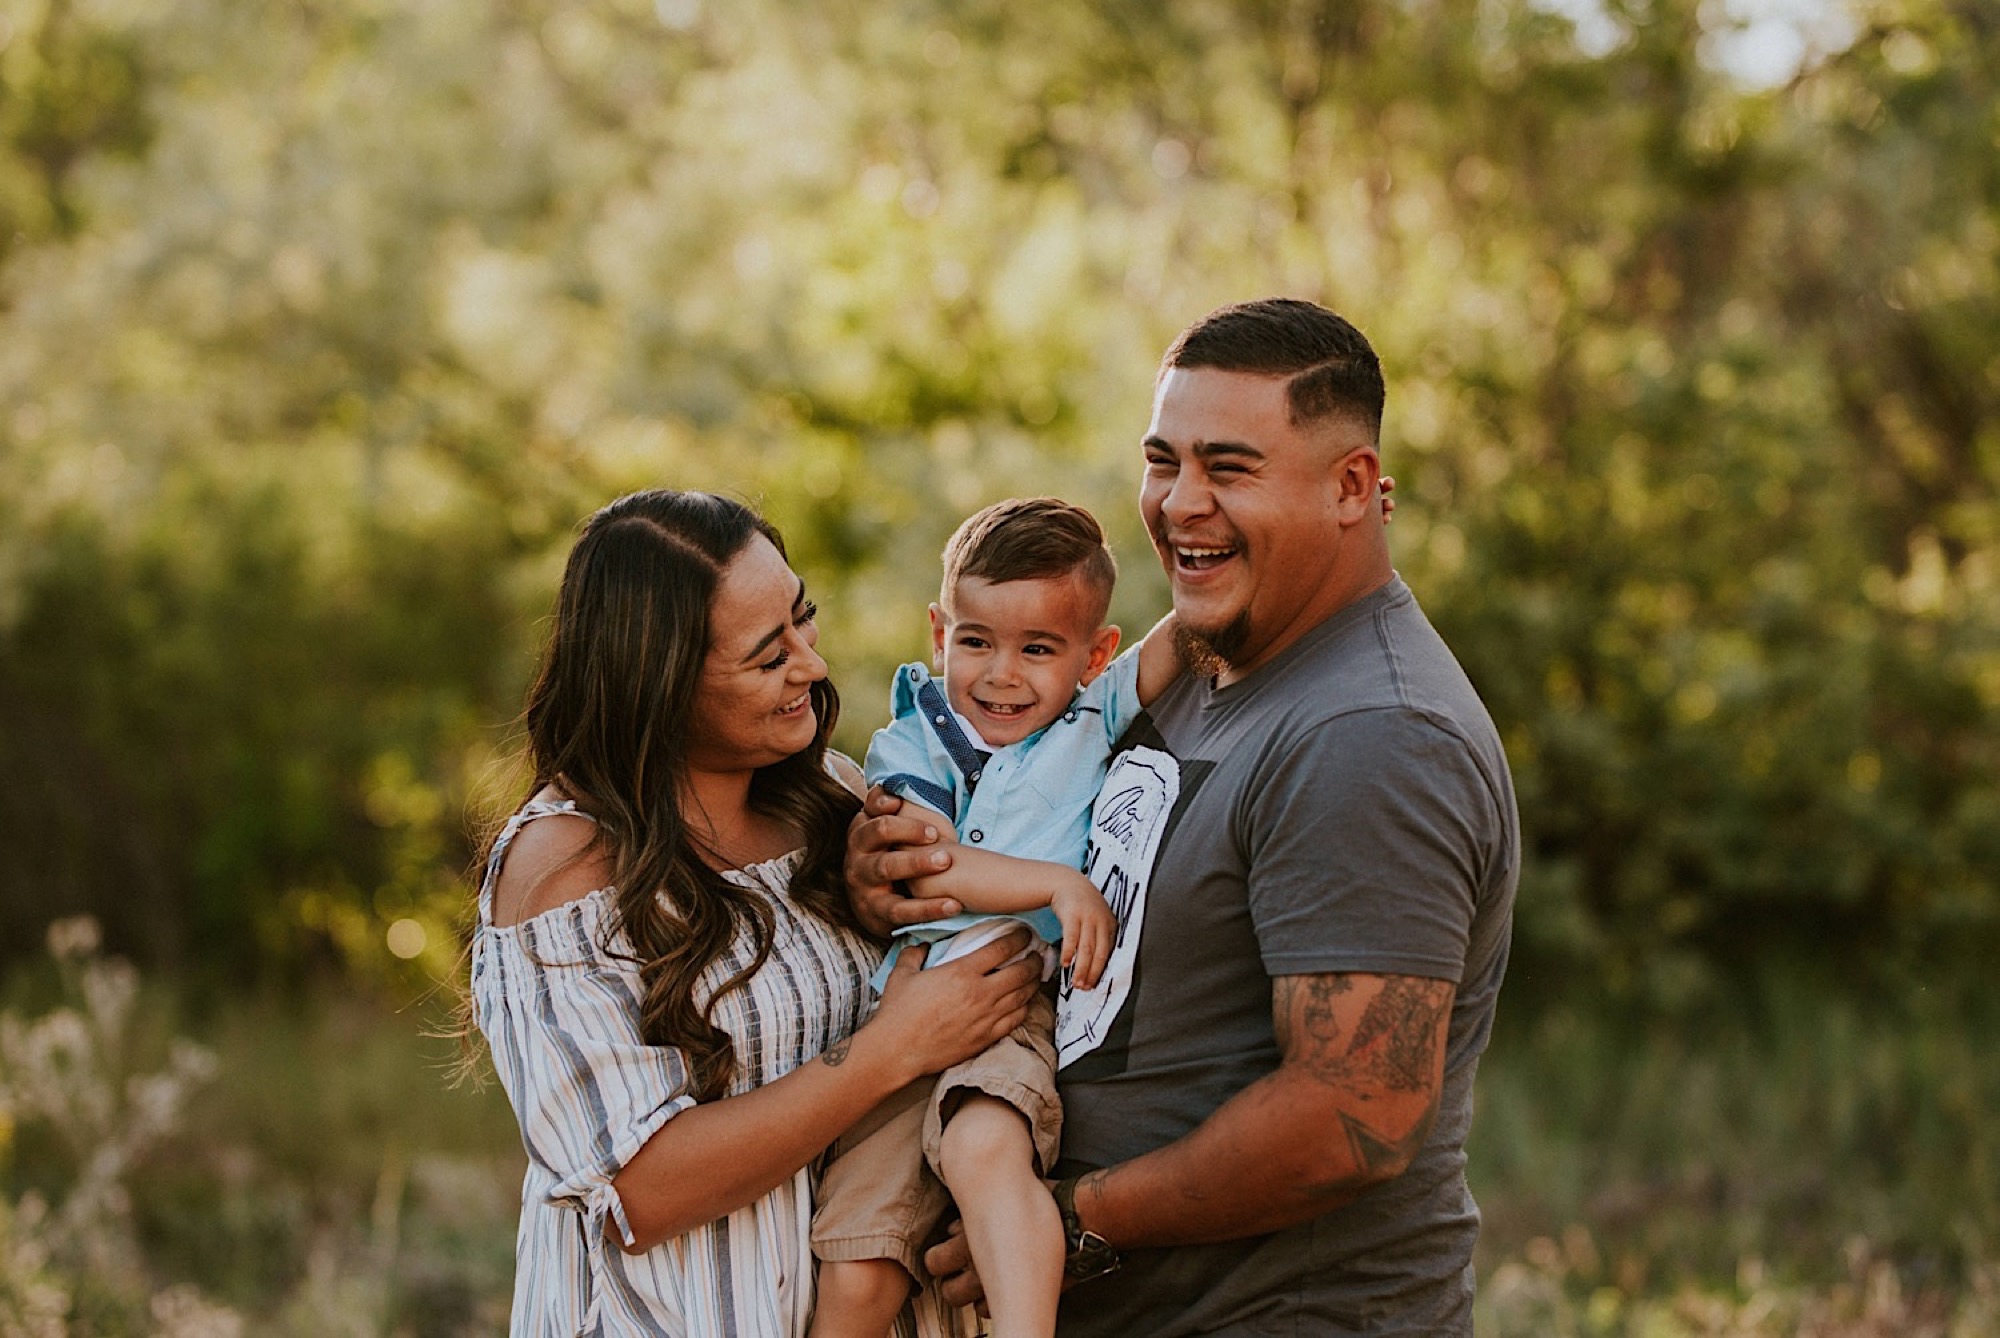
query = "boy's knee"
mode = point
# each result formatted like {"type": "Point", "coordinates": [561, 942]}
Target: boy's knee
{"type": "Point", "coordinates": [985, 1136]}
{"type": "Point", "coordinates": [846, 1283]}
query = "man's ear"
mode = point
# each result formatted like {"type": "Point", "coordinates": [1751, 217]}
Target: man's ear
{"type": "Point", "coordinates": [1103, 645]}
{"type": "Point", "coordinates": [939, 626]}
{"type": "Point", "coordinates": [1355, 479]}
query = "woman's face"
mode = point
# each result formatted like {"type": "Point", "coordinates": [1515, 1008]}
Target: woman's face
{"type": "Point", "coordinates": [753, 706]}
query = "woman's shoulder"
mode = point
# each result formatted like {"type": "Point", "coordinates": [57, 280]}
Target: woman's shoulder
{"type": "Point", "coordinates": [552, 858]}
{"type": "Point", "coordinates": [846, 770]}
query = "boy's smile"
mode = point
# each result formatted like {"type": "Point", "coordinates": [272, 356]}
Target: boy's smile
{"type": "Point", "coordinates": [1013, 653]}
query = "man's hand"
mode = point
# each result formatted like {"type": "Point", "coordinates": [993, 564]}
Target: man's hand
{"type": "Point", "coordinates": [885, 848]}
{"type": "Point", "coordinates": [950, 1262]}
{"type": "Point", "coordinates": [1089, 929]}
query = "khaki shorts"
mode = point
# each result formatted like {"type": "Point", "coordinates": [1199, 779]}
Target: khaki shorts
{"type": "Point", "coordinates": [881, 1197]}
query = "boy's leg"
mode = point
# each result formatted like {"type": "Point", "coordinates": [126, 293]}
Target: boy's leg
{"type": "Point", "coordinates": [1011, 1223]}
{"type": "Point", "coordinates": [858, 1298]}
{"type": "Point", "coordinates": [876, 1203]}
{"type": "Point", "coordinates": [990, 1134]}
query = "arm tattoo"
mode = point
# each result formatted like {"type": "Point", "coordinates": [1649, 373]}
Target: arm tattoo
{"type": "Point", "coordinates": [836, 1054]}
{"type": "Point", "coordinates": [1373, 1151]}
{"type": "Point", "coordinates": [1322, 1025]}
{"type": "Point", "coordinates": [1391, 1048]}
{"type": "Point", "coordinates": [1403, 1018]}
{"type": "Point", "coordinates": [1394, 1043]}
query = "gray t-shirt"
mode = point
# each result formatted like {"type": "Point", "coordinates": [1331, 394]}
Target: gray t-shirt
{"type": "Point", "coordinates": [1345, 808]}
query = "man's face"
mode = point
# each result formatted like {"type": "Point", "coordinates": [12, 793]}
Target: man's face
{"type": "Point", "coordinates": [1241, 507]}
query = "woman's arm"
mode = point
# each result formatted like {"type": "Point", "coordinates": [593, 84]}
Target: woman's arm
{"type": "Point", "coordinates": [715, 1157]}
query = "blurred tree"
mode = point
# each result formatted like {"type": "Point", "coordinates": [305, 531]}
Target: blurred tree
{"type": "Point", "coordinates": [70, 90]}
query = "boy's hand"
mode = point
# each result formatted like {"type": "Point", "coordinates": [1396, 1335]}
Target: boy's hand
{"type": "Point", "coordinates": [1089, 930]}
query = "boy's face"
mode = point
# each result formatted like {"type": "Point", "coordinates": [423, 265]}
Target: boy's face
{"type": "Point", "coordinates": [1013, 653]}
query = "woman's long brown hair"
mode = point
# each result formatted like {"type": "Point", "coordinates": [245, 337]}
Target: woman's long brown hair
{"type": "Point", "coordinates": [607, 723]}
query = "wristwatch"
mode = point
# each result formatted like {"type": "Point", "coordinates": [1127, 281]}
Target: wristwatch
{"type": "Point", "coordinates": [1086, 1254]}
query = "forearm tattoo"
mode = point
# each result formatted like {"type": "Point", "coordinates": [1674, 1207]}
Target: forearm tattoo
{"type": "Point", "coordinates": [836, 1054]}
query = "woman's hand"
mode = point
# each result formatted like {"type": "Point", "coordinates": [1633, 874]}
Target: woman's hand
{"type": "Point", "coordinates": [885, 848]}
{"type": "Point", "coordinates": [935, 1019]}
{"type": "Point", "coordinates": [1089, 929]}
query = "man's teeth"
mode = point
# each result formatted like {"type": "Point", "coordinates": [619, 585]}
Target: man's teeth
{"type": "Point", "coordinates": [1194, 553]}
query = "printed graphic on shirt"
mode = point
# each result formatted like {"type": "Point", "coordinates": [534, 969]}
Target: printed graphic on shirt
{"type": "Point", "coordinates": [1126, 827]}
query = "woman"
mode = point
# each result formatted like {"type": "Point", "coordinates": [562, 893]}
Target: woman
{"type": "Point", "coordinates": [665, 967]}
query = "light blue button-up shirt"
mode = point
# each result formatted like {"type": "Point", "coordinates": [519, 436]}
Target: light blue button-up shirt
{"type": "Point", "coordinates": [1030, 799]}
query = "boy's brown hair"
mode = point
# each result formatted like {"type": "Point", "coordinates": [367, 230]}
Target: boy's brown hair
{"type": "Point", "coordinates": [1032, 539]}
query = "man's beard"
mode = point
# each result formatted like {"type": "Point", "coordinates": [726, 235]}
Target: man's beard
{"type": "Point", "coordinates": [1206, 653]}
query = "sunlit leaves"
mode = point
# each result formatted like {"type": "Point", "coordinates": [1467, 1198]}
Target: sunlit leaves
{"type": "Point", "coordinates": [354, 308]}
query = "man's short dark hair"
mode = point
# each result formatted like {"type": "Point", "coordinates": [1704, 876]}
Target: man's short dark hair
{"type": "Point", "coordinates": [1032, 539]}
{"type": "Point", "coordinates": [1330, 369]}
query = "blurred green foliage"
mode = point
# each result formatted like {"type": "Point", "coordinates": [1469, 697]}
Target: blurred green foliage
{"type": "Point", "coordinates": [322, 323]}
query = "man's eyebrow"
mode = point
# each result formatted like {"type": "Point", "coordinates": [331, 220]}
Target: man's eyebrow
{"type": "Point", "coordinates": [1212, 450]}
{"type": "Point", "coordinates": [1208, 450]}
{"type": "Point", "coordinates": [764, 643]}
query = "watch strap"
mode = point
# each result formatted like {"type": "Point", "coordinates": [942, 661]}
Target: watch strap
{"type": "Point", "coordinates": [1085, 1253]}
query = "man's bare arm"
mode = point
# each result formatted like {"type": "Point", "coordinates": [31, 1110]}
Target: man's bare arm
{"type": "Point", "coordinates": [1362, 1060]}
{"type": "Point", "coordinates": [1159, 660]}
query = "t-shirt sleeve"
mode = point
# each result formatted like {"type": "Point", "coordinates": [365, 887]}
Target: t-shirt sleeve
{"type": "Point", "coordinates": [590, 1091]}
{"type": "Point", "coordinates": [900, 756]}
{"type": "Point", "coordinates": [1368, 840]}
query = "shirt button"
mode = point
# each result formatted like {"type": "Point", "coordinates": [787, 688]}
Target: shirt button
{"type": "Point", "coordinates": [1069, 717]}
{"type": "Point", "coordinates": [976, 836]}
{"type": "Point", "coordinates": [937, 720]}
{"type": "Point", "coordinates": [973, 777]}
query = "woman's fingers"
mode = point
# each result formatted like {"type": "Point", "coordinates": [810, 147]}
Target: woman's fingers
{"type": "Point", "coordinates": [884, 850]}
{"type": "Point", "coordinates": [910, 960]}
{"type": "Point", "coordinates": [987, 958]}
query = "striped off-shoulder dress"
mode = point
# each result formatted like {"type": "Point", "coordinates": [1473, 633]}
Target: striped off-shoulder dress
{"type": "Point", "coordinates": [560, 1013]}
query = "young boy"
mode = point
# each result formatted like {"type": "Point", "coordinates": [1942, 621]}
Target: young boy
{"type": "Point", "coordinates": [1007, 756]}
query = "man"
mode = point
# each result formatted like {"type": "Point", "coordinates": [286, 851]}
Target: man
{"type": "Point", "coordinates": [1312, 846]}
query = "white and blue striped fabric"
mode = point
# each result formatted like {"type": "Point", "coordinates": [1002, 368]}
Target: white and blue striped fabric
{"type": "Point", "coordinates": [560, 1014]}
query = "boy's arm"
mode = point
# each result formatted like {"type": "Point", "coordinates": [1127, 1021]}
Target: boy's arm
{"type": "Point", "coordinates": [985, 880]}
{"type": "Point", "coordinates": [1159, 660]}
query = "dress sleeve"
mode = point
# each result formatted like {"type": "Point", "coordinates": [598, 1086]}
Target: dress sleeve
{"type": "Point", "coordinates": [588, 1090]}
{"type": "Point", "coordinates": [901, 758]}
